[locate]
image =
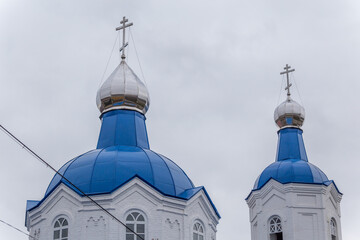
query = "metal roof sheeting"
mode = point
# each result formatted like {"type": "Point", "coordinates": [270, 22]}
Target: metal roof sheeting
{"type": "Point", "coordinates": [104, 170]}
{"type": "Point", "coordinates": [291, 165]}
{"type": "Point", "coordinates": [123, 154]}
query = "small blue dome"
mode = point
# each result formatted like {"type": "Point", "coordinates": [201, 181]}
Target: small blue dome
{"type": "Point", "coordinates": [291, 164]}
{"type": "Point", "coordinates": [104, 170]}
{"type": "Point", "coordinates": [292, 171]}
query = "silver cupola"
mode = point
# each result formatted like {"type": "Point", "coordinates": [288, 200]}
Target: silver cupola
{"type": "Point", "coordinates": [123, 89]}
{"type": "Point", "coordinates": [289, 113]}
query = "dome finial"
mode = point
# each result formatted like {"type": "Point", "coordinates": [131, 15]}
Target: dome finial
{"type": "Point", "coordinates": [124, 25]}
{"type": "Point", "coordinates": [289, 113]}
{"type": "Point", "coordinates": [123, 89]}
{"type": "Point", "coordinates": [287, 71]}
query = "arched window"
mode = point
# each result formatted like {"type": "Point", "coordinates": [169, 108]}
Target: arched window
{"type": "Point", "coordinates": [198, 231]}
{"type": "Point", "coordinates": [333, 231]}
{"type": "Point", "coordinates": [275, 228]}
{"type": "Point", "coordinates": [61, 229]}
{"type": "Point", "coordinates": [136, 222]}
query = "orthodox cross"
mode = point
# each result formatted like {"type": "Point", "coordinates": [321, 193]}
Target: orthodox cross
{"type": "Point", "coordinates": [287, 71]}
{"type": "Point", "coordinates": [124, 25]}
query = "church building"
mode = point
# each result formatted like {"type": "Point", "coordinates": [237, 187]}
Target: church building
{"type": "Point", "coordinates": [145, 191]}
{"type": "Point", "coordinates": [122, 190]}
{"type": "Point", "coordinates": [293, 199]}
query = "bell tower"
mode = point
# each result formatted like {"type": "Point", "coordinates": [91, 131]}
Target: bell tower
{"type": "Point", "coordinates": [293, 199]}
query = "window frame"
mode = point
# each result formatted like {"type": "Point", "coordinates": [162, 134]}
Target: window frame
{"type": "Point", "coordinates": [196, 234]}
{"type": "Point", "coordinates": [64, 224]}
{"type": "Point", "coordinates": [275, 227]}
{"type": "Point", "coordinates": [135, 214]}
{"type": "Point", "coordinates": [333, 229]}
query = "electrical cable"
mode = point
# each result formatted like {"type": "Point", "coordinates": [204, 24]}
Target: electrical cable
{"type": "Point", "coordinates": [120, 47]}
{"type": "Point", "coordinates": [297, 89]}
{"type": "Point", "coordinates": [107, 64]}
{"type": "Point", "coordinates": [57, 172]}
{"type": "Point", "coordinates": [282, 83]}
{"type": "Point", "coordinates": [16, 229]}
{"type": "Point", "coordinates": [128, 49]}
{"type": "Point", "coordinates": [137, 56]}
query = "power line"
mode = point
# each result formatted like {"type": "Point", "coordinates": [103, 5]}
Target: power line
{"type": "Point", "coordinates": [17, 229]}
{"type": "Point", "coordinates": [57, 172]}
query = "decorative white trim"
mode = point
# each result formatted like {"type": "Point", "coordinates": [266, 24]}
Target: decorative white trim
{"type": "Point", "coordinates": [295, 203]}
{"type": "Point", "coordinates": [135, 195]}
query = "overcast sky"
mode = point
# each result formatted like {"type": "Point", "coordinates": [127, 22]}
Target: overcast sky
{"type": "Point", "coordinates": [212, 70]}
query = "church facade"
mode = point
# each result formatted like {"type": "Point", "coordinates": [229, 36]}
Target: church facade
{"type": "Point", "coordinates": [122, 189]}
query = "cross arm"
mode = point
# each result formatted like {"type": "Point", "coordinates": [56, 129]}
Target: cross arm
{"type": "Point", "coordinates": [124, 26]}
{"type": "Point", "coordinates": [287, 71]}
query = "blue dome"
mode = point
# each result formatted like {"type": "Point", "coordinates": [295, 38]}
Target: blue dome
{"type": "Point", "coordinates": [291, 165]}
{"type": "Point", "coordinates": [292, 171]}
{"type": "Point", "coordinates": [122, 153]}
{"type": "Point", "coordinates": [104, 170]}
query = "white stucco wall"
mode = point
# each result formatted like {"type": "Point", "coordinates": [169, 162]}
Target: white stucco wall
{"type": "Point", "coordinates": [305, 210]}
{"type": "Point", "coordinates": [166, 217]}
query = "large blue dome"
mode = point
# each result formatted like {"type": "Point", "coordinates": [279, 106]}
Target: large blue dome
{"type": "Point", "coordinates": [291, 171]}
{"type": "Point", "coordinates": [122, 152]}
{"type": "Point", "coordinates": [104, 170]}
